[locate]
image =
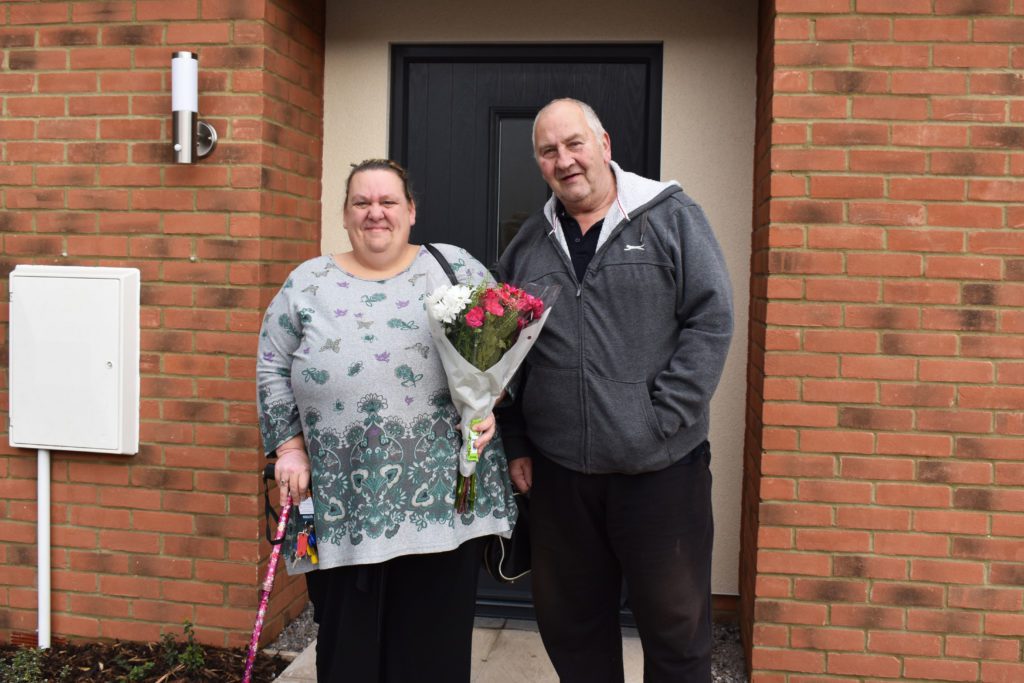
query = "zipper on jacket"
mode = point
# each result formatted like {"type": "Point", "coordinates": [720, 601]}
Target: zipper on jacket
{"type": "Point", "coordinates": [567, 262]}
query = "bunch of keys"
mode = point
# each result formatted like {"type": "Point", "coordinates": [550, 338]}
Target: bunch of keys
{"type": "Point", "coordinates": [305, 535]}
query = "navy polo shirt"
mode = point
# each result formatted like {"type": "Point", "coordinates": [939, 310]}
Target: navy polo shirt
{"type": "Point", "coordinates": [581, 246]}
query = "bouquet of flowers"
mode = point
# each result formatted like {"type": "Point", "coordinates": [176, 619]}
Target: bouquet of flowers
{"type": "Point", "coordinates": [482, 335]}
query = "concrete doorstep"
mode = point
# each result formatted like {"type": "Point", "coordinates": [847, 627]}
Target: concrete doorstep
{"type": "Point", "coordinates": [504, 651]}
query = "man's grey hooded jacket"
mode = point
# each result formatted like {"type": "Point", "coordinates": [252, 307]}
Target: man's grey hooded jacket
{"type": "Point", "coordinates": [621, 376]}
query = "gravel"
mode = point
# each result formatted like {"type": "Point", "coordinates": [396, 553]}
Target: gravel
{"type": "Point", "coordinates": [726, 651]}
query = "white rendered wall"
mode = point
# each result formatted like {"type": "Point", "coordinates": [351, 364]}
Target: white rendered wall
{"type": "Point", "coordinates": [707, 139]}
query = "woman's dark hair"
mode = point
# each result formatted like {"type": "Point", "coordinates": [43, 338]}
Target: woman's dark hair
{"type": "Point", "coordinates": [381, 165]}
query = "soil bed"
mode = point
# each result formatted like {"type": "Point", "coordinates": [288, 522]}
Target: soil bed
{"type": "Point", "coordinates": [141, 663]}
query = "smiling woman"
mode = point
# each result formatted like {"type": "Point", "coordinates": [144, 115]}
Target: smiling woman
{"type": "Point", "coordinates": [356, 406]}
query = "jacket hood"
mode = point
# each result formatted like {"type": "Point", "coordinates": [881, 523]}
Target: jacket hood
{"type": "Point", "coordinates": [633, 192]}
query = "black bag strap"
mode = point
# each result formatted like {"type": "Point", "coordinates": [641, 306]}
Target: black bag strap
{"type": "Point", "coordinates": [443, 261]}
{"type": "Point", "coordinates": [268, 510]}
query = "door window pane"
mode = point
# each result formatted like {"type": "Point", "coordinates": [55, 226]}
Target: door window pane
{"type": "Point", "coordinates": [521, 190]}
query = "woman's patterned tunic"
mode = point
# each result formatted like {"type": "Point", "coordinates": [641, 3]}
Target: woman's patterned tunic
{"type": "Point", "coordinates": [350, 364]}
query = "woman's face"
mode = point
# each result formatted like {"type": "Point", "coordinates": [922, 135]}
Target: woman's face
{"type": "Point", "coordinates": [378, 217]}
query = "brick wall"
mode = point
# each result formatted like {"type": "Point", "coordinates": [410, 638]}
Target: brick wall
{"type": "Point", "coordinates": [142, 543]}
{"type": "Point", "coordinates": [885, 445]}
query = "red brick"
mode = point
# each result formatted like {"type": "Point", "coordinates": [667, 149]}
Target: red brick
{"type": "Point", "coordinates": [921, 293]}
{"type": "Point", "coordinates": [942, 189]}
{"type": "Point", "coordinates": [956, 371]}
{"type": "Point", "coordinates": [873, 665]}
{"type": "Point", "coordinates": [917, 395]}
{"type": "Point", "coordinates": [991, 448]}
{"type": "Point", "coordinates": [969, 163]}
{"type": "Point", "coordinates": [988, 599]}
{"type": "Point", "coordinates": [831, 187]}
{"type": "Point", "coordinates": [789, 80]}
{"type": "Point", "coordinates": [873, 518]}
{"type": "Point", "coordinates": [809, 160]}
{"type": "Point", "coordinates": [795, 513]}
{"type": "Point", "coordinates": [838, 391]}
{"type": "Point", "coordinates": [928, 83]}
{"type": "Point", "coordinates": [886, 213]}
{"type": "Point", "coordinates": [890, 55]}
{"type": "Point", "coordinates": [983, 648]}
{"type": "Point", "coordinates": [954, 421]}
{"type": "Point", "coordinates": [787, 659]}
{"type": "Point", "coordinates": [790, 613]}
{"type": "Point", "coordinates": [996, 243]}
{"type": "Point", "coordinates": [905, 643]}
{"type": "Point", "coordinates": [997, 84]}
{"type": "Point", "coordinates": [946, 241]}
{"type": "Point", "coordinates": [998, 136]}
{"type": "Point", "coordinates": [866, 617]}
{"type": "Point", "coordinates": [943, 669]}
{"type": "Point", "coordinates": [770, 537]}
{"type": "Point", "coordinates": [890, 108]}
{"type": "Point", "coordinates": [890, 265]}
{"type": "Point", "coordinates": [866, 566]}
{"type": "Point", "coordinates": [999, 672]}
{"type": "Point", "coordinates": [996, 191]}
{"type": "Point", "coordinates": [972, 7]}
{"type": "Point", "coordinates": [850, 82]}
{"type": "Point", "coordinates": [998, 30]}
{"type": "Point", "coordinates": [1004, 625]}
{"type": "Point", "coordinates": [938, 135]}
{"type": "Point", "coordinates": [943, 571]}
{"type": "Point", "coordinates": [849, 134]}
{"type": "Point", "coordinates": [804, 262]}
{"type": "Point", "coordinates": [852, 29]}
{"type": "Point", "coordinates": [792, 563]}
{"type": "Point", "coordinates": [877, 468]}
{"type": "Point", "coordinates": [808, 106]}
{"type": "Point", "coordinates": [962, 109]}
{"type": "Point", "coordinates": [899, 545]}
{"type": "Point", "coordinates": [943, 621]}
{"type": "Point", "coordinates": [911, 344]}
{"type": "Point", "coordinates": [931, 30]}
{"type": "Point", "coordinates": [1006, 398]}
{"type": "Point", "coordinates": [949, 521]}
{"type": "Point", "coordinates": [965, 215]}
{"type": "Point", "coordinates": [970, 56]}
{"type": "Point", "coordinates": [840, 290]}
{"type": "Point", "coordinates": [878, 368]}
{"type": "Point", "coordinates": [833, 540]}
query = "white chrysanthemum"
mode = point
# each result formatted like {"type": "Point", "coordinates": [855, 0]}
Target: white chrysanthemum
{"type": "Point", "coordinates": [446, 302]}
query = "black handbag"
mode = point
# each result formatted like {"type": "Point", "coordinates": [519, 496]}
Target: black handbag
{"type": "Point", "coordinates": [508, 559]}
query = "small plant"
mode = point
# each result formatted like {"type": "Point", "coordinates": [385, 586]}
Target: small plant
{"type": "Point", "coordinates": [192, 657]}
{"type": "Point", "coordinates": [26, 666]}
{"type": "Point", "coordinates": [169, 650]}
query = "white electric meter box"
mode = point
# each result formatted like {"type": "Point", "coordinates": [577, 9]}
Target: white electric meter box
{"type": "Point", "coordinates": [74, 358]}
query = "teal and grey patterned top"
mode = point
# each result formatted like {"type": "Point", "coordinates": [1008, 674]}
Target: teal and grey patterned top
{"type": "Point", "coordinates": [350, 364]}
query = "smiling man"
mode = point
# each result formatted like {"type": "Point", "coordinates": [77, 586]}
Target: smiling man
{"type": "Point", "coordinates": [610, 424]}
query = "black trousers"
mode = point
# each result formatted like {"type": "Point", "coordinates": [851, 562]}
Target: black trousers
{"type": "Point", "coordinates": [407, 619]}
{"type": "Point", "coordinates": [588, 532]}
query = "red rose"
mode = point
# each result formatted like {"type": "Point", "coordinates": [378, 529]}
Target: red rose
{"type": "Point", "coordinates": [475, 317]}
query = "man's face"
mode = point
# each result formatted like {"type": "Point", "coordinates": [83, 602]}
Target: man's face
{"type": "Point", "coordinates": [572, 159]}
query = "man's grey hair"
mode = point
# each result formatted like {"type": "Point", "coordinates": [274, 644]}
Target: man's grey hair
{"type": "Point", "coordinates": [588, 113]}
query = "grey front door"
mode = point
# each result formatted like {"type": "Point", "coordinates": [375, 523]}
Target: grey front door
{"type": "Point", "coordinates": [461, 123]}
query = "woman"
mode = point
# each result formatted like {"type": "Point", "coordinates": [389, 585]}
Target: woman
{"type": "Point", "coordinates": [354, 402]}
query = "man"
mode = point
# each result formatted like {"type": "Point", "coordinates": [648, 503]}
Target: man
{"type": "Point", "coordinates": [609, 429]}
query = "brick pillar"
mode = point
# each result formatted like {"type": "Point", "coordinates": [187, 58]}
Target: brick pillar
{"type": "Point", "coordinates": [883, 509]}
{"type": "Point", "coordinates": [142, 543]}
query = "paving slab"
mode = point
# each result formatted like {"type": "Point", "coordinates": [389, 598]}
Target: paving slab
{"type": "Point", "coordinates": [509, 652]}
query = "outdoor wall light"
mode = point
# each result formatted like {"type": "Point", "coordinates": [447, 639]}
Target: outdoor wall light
{"type": "Point", "coordinates": [193, 139]}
